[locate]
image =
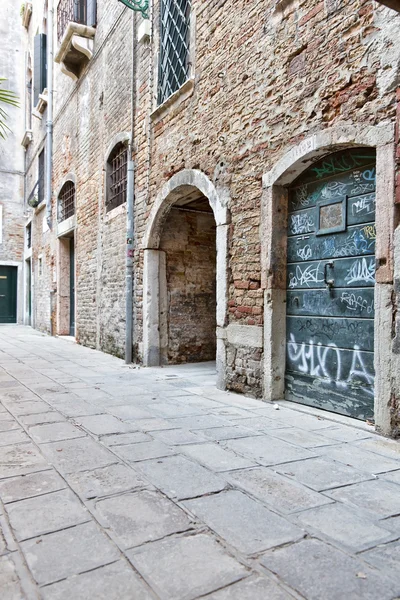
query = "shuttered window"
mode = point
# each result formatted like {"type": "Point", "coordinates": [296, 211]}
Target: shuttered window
{"type": "Point", "coordinates": [174, 46]}
{"type": "Point", "coordinates": [39, 66]}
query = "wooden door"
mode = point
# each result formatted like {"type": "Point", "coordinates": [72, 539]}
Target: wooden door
{"type": "Point", "coordinates": [8, 294]}
{"type": "Point", "coordinates": [330, 285]}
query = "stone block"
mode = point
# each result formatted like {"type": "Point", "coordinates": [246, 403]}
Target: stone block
{"type": "Point", "coordinates": [69, 552]}
{"type": "Point", "coordinates": [378, 496]}
{"type": "Point", "coordinates": [28, 486]}
{"type": "Point", "coordinates": [143, 451]}
{"type": "Point", "coordinates": [366, 461]}
{"type": "Point", "coordinates": [80, 454]}
{"type": "Point", "coordinates": [350, 528]}
{"type": "Point", "coordinates": [103, 424]}
{"type": "Point", "coordinates": [15, 436]}
{"type": "Point", "coordinates": [129, 412]}
{"type": "Point", "coordinates": [268, 451]}
{"type": "Point", "coordinates": [104, 481]}
{"type": "Point", "coordinates": [40, 419]}
{"type": "Point", "coordinates": [121, 439]}
{"type": "Point", "coordinates": [8, 424]}
{"type": "Point", "coordinates": [215, 458]}
{"type": "Point", "coordinates": [187, 567]}
{"type": "Point", "coordinates": [322, 474]}
{"type": "Point", "coordinates": [226, 433]}
{"type": "Point", "coordinates": [252, 588]}
{"type": "Point", "coordinates": [10, 584]}
{"type": "Point", "coordinates": [180, 478]}
{"type": "Point", "coordinates": [21, 459]}
{"type": "Point", "coordinates": [117, 581]}
{"type": "Point", "coordinates": [244, 523]}
{"type": "Point", "coordinates": [43, 514]}
{"type": "Point", "coordinates": [54, 432]}
{"type": "Point", "coordinates": [385, 558]}
{"type": "Point", "coordinates": [271, 488]}
{"type": "Point", "coordinates": [141, 517]}
{"type": "Point", "coordinates": [199, 422]}
{"type": "Point", "coordinates": [176, 437]}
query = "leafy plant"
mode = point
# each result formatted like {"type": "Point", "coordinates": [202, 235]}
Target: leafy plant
{"type": "Point", "coordinates": [6, 97]}
{"type": "Point", "coordinates": [22, 10]}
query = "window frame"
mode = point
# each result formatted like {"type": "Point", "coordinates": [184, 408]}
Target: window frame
{"type": "Point", "coordinates": [65, 194]}
{"type": "Point", "coordinates": [114, 199]}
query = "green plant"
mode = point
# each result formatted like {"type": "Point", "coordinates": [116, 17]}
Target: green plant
{"type": "Point", "coordinates": [6, 97]}
{"type": "Point", "coordinates": [22, 9]}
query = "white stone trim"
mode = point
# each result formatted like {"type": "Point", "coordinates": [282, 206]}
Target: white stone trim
{"type": "Point", "coordinates": [20, 286]}
{"type": "Point", "coordinates": [286, 170]}
{"type": "Point", "coordinates": [66, 226]}
{"type": "Point", "coordinates": [250, 336]}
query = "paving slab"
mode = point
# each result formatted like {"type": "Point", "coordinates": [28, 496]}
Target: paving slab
{"type": "Point", "coordinates": [143, 451]}
{"type": "Point", "coordinates": [80, 454]}
{"type": "Point", "coordinates": [181, 478]}
{"type": "Point", "coordinates": [243, 522]}
{"type": "Point", "coordinates": [20, 459]}
{"type": "Point", "coordinates": [393, 524]}
{"type": "Point", "coordinates": [275, 490]}
{"type": "Point", "coordinates": [69, 552]}
{"type": "Point", "coordinates": [259, 423]}
{"type": "Point", "coordinates": [268, 450]}
{"type": "Point", "coordinates": [319, 571]}
{"type": "Point", "coordinates": [342, 433]}
{"type": "Point", "coordinates": [322, 474]}
{"type": "Point", "coordinates": [229, 432]}
{"type": "Point", "coordinates": [176, 437]}
{"type": "Point", "coordinates": [378, 496]}
{"type": "Point", "coordinates": [76, 408]}
{"type": "Point", "coordinates": [27, 408]}
{"type": "Point", "coordinates": [346, 526]}
{"type": "Point", "coordinates": [155, 424]}
{"type": "Point", "coordinates": [117, 581]}
{"type": "Point", "coordinates": [129, 412]}
{"type": "Point", "coordinates": [172, 410]}
{"type": "Point", "coordinates": [216, 458]}
{"type": "Point", "coordinates": [8, 424]}
{"type": "Point", "coordinates": [103, 424]}
{"type": "Point", "coordinates": [386, 558]}
{"type": "Point", "coordinates": [187, 567]}
{"type": "Point", "coordinates": [141, 517]}
{"type": "Point", "coordinates": [303, 438]}
{"type": "Point", "coordinates": [28, 486]}
{"type": "Point", "coordinates": [46, 513]}
{"type": "Point", "coordinates": [252, 588]}
{"type": "Point", "coordinates": [295, 417]}
{"type": "Point", "coordinates": [121, 439]}
{"type": "Point", "coordinates": [393, 476]}
{"type": "Point", "coordinates": [363, 460]}
{"type": "Point", "coordinates": [39, 419]}
{"type": "Point", "coordinates": [199, 422]}
{"type": "Point", "coordinates": [15, 436]}
{"type": "Point", "coordinates": [10, 584]}
{"type": "Point", "coordinates": [55, 432]}
{"type": "Point", "coordinates": [112, 479]}
{"type": "Point", "coordinates": [378, 445]}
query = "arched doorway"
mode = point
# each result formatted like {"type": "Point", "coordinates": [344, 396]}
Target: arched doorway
{"type": "Point", "coordinates": [185, 277]}
{"type": "Point", "coordinates": [330, 284]}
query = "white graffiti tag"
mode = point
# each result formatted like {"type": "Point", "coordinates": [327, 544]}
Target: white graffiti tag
{"type": "Point", "coordinates": [305, 276]}
{"type": "Point", "coordinates": [361, 271]}
{"type": "Point", "coordinates": [353, 302]}
{"type": "Point", "coordinates": [301, 224]}
{"type": "Point", "coordinates": [305, 253]}
{"type": "Point", "coordinates": [364, 205]}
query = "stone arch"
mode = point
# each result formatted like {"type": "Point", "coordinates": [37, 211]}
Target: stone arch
{"type": "Point", "coordinates": [181, 183]}
{"type": "Point", "coordinates": [273, 244]}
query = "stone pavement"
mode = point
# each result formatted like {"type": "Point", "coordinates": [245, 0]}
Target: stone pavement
{"type": "Point", "coordinates": [121, 483]}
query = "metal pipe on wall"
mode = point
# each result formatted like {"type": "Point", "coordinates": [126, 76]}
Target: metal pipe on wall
{"type": "Point", "coordinates": [49, 122]}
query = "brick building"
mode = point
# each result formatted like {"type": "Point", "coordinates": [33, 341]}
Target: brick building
{"type": "Point", "coordinates": [264, 133]}
{"type": "Point", "coordinates": [12, 169]}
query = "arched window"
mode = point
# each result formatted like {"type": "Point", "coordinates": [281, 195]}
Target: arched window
{"type": "Point", "coordinates": [117, 166]}
{"type": "Point", "coordinates": [66, 201]}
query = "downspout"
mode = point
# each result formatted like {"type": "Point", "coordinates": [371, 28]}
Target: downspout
{"type": "Point", "coordinates": [130, 212]}
{"type": "Point", "coordinates": [49, 122]}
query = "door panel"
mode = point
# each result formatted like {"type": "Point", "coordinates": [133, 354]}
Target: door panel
{"type": "Point", "coordinates": [330, 285]}
{"type": "Point", "coordinates": [8, 294]}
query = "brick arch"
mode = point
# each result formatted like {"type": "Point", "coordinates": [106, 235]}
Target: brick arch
{"type": "Point", "coordinates": [273, 251]}
{"type": "Point", "coordinates": [184, 181]}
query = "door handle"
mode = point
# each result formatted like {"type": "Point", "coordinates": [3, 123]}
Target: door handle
{"type": "Point", "coordinates": [2, 295]}
{"type": "Point", "coordinates": [328, 282]}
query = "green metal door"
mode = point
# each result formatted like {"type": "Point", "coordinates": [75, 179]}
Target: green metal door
{"type": "Point", "coordinates": [8, 294]}
{"type": "Point", "coordinates": [330, 285]}
{"type": "Point", "coordinates": [72, 287]}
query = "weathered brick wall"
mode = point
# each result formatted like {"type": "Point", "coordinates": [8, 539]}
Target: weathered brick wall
{"type": "Point", "coordinates": [267, 75]}
{"type": "Point", "coordinates": [189, 243]}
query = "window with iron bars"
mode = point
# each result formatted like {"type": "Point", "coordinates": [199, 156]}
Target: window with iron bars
{"type": "Point", "coordinates": [117, 168]}
{"type": "Point", "coordinates": [66, 201]}
{"type": "Point", "coordinates": [174, 46]}
{"type": "Point", "coordinates": [75, 11]}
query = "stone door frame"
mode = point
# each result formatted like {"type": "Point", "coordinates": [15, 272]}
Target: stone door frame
{"type": "Point", "coordinates": [273, 252]}
{"type": "Point", "coordinates": [154, 268]}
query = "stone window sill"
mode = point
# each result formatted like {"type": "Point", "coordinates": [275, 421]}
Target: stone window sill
{"type": "Point", "coordinates": [27, 139]}
{"type": "Point", "coordinates": [66, 226]}
{"type": "Point", "coordinates": [26, 15]}
{"type": "Point", "coordinates": [175, 100]}
{"type": "Point", "coordinates": [115, 212]}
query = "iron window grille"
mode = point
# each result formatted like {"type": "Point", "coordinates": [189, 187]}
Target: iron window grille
{"type": "Point", "coordinates": [29, 236]}
{"type": "Point", "coordinates": [41, 171]}
{"type": "Point", "coordinates": [66, 201]}
{"type": "Point", "coordinates": [117, 177]}
{"type": "Point", "coordinates": [174, 46]}
{"type": "Point", "coordinates": [75, 11]}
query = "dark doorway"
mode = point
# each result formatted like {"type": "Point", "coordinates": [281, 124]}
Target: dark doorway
{"type": "Point", "coordinates": [8, 294]}
{"type": "Point", "coordinates": [72, 287]}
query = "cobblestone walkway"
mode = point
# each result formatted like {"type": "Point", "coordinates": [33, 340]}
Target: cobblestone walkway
{"type": "Point", "coordinates": [121, 483]}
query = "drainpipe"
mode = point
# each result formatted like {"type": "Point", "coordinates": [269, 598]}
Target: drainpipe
{"type": "Point", "coordinates": [130, 213]}
{"type": "Point", "coordinates": [49, 122]}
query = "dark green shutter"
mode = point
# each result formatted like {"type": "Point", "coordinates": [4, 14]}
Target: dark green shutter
{"type": "Point", "coordinates": [39, 66]}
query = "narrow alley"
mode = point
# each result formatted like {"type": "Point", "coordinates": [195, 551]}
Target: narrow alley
{"type": "Point", "coordinates": [131, 483]}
